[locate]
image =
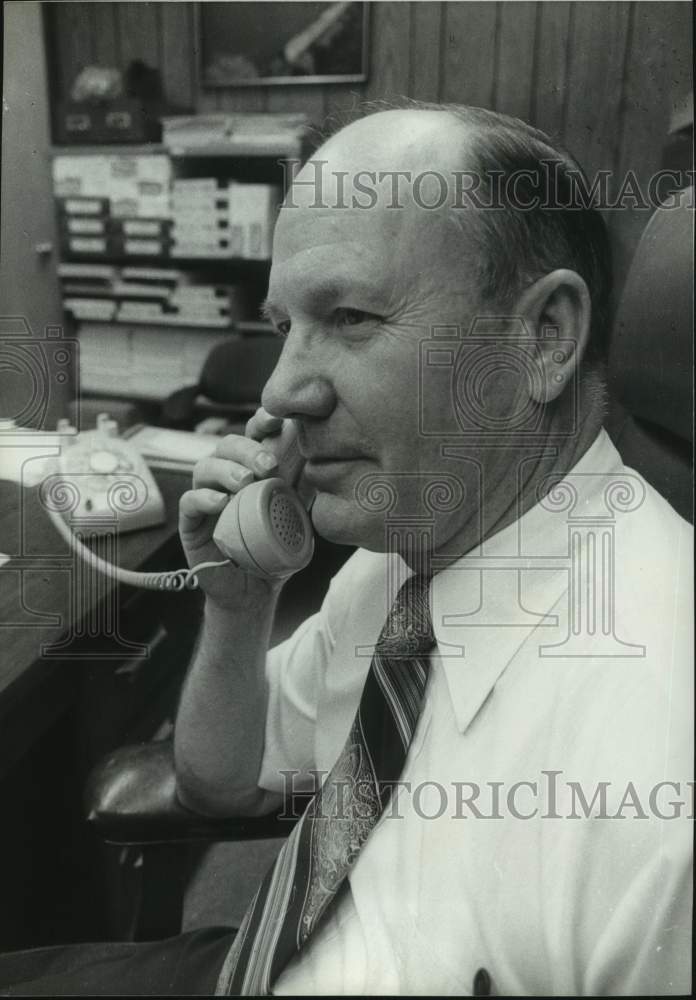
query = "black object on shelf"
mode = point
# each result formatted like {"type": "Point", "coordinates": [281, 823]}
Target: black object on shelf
{"type": "Point", "coordinates": [133, 118]}
{"type": "Point", "coordinates": [121, 120]}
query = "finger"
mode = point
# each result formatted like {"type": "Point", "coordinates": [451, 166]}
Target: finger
{"type": "Point", "coordinates": [221, 474]}
{"type": "Point", "coordinates": [196, 505]}
{"type": "Point", "coordinates": [262, 424]}
{"type": "Point", "coordinates": [248, 453]}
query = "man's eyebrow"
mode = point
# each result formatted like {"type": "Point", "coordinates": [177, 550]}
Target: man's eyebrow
{"type": "Point", "coordinates": [324, 292]}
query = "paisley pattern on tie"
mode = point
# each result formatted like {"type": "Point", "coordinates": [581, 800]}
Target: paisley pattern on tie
{"type": "Point", "coordinates": [325, 844]}
{"type": "Point", "coordinates": [344, 814]}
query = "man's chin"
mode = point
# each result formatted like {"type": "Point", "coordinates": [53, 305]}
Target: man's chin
{"type": "Point", "coordinates": [340, 520]}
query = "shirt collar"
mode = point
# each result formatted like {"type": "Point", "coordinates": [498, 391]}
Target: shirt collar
{"type": "Point", "coordinates": [479, 617]}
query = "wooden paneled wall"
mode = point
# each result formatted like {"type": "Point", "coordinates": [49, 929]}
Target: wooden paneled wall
{"type": "Point", "coordinates": [603, 77]}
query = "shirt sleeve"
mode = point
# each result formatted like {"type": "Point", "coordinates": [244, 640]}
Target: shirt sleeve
{"type": "Point", "coordinates": [645, 947]}
{"type": "Point", "coordinates": [295, 670]}
{"type": "Point", "coordinates": [638, 876]}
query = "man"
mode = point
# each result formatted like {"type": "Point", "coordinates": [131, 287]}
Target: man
{"type": "Point", "coordinates": [504, 826]}
{"type": "Point", "coordinates": [546, 905]}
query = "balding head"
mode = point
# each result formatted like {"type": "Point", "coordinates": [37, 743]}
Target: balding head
{"type": "Point", "coordinates": [404, 139]}
{"type": "Point", "coordinates": [385, 182]}
{"type": "Point", "coordinates": [522, 203]}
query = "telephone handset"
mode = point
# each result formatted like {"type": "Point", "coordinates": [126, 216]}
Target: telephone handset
{"type": "Point", "coordinates": [265, 528]}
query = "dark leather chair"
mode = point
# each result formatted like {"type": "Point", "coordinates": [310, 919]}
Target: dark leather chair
{"type": "Point", "coordinates": [229, 385]}
{"type": "Point", "coordinates": [132, 804]}
{"type": "Point", "coordinates": [651, 357]}
{"type": "Point", "coordinates": [131, 799]}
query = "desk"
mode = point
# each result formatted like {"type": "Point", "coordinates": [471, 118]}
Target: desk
{"type": "Point", "coordinates": [58, 716]}
{"type": "Point", "coordinates": [35, 598]}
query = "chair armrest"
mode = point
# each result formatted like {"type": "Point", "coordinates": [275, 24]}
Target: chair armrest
{"type": "Point", "coordinates": [131, 799]}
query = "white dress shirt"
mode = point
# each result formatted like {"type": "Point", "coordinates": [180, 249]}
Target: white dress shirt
{"type": "Point", "coordinates": [531, 682]}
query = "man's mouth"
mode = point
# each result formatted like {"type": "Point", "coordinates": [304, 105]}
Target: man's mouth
{"type": "Point", "coordinates": [321, 468]}
{"type": "Point", "coordinates": [338, 456]}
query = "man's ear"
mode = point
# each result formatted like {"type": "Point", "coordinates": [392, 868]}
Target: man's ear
{"type": "Point", "coordinates": [560, 301]}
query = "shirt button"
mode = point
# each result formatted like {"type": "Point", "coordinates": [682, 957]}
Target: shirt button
{"type": "Point", "coordinates": [482, 983]}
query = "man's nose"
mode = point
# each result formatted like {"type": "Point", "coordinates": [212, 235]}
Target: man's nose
{"type": "Point", "coordinates": [297, 387]}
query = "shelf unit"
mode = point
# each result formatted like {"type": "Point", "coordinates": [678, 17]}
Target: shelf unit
{"type": "Point", "coordinates": [241, 161]}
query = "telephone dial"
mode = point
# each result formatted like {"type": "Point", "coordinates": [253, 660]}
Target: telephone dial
{"type": "Point", "coordinates": [264, 529]}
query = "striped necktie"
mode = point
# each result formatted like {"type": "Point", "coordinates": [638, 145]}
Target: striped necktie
{"type": "Point", "coordinates": [324, 845]}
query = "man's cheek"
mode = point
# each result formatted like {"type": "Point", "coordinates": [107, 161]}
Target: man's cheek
{"type": "Point", "coordinates": [342, 520]}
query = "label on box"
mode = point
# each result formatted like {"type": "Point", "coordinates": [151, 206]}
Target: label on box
{"type": "Point", "coordinates": [67, 186]}
{"type": "Point", "coordinates": [85, 225]}
{"type": "Point", "coordinates": [141, 227]}
{"type": "Point", "coordinates": [236, 238]}
{"type": "Point", "coordinates": [147, 309]}
{"type": "Point", "coordinates": [152, 188]}
{"type": "Point", "coordinates": [186, 204]}
{"type": "Point", "coordinates": [123, 166]}
{"type": "Point", "coordinates": [196, 250]}
{"type": "Point", "coordinates": [256, 232]}
{"type": "Point", "coordinates": [83, 206]}
{"type": "Point", "coordinates": [85, 244]}
{"type": "Point", "coordinates": [145, 248]}
{"type": "Point", "coordinates": [190, 184]}
{"type": "Point", "coordinates": [124, 206]}
{"type": "Point", "coordinates": [90, 308]}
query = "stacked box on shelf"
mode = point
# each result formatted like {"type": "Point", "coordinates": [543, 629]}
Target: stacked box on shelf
{"type": "Point", "coordinates": [113, 205]}
{"type": "Point", "coordinates": [138, 237]}
{"type": "Point", "coordinates": [146, 296]}
{"type": "Point", "coordinates": [139, 186]}
{"type": "Point", "coordinates": [200, 218]}
{"type": "Point", "coordinates": [83, 225]}
{"type": "Point", "coordinates": [151, 296]}
{"type": "Point", "coordinates": [215, 305]}
{"type": "Point", "coordinates": [129, 206]}
{"type": "Point", "coordinates": [252, 212]}
{"type": "Point", "coordinates": [223, 220]}
{"type": "Point", "coordinates": [88, 290]}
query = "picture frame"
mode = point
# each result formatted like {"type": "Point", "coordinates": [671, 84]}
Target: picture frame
{"type": "Point", "coordinates": [308, 43]}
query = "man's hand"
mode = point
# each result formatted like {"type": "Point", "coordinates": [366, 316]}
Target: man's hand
{"type": "Point", "coordinates": [236, 462]}
{"type": "Point", "coordinates": [219, 733]}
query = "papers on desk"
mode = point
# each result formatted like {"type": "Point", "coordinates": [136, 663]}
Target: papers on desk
{"type": "Point", "coordinates": [167, 449]}
{"type": "Point", "coordinates": [27, 456]}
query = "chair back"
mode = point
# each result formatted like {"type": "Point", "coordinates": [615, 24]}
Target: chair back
{"type": "Point", "coordinates": [236, 370]}
{"type": "Point", "coordinates": [651, 357]}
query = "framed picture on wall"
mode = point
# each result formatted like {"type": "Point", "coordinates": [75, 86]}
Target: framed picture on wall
{"type": "Point", "coordinates": [251, 45]}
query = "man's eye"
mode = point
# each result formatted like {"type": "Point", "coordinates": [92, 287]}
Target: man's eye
{"type": "Point", "coordinates": [353, 317]}
{"type": "Point", "coordinates": [283, 328]}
